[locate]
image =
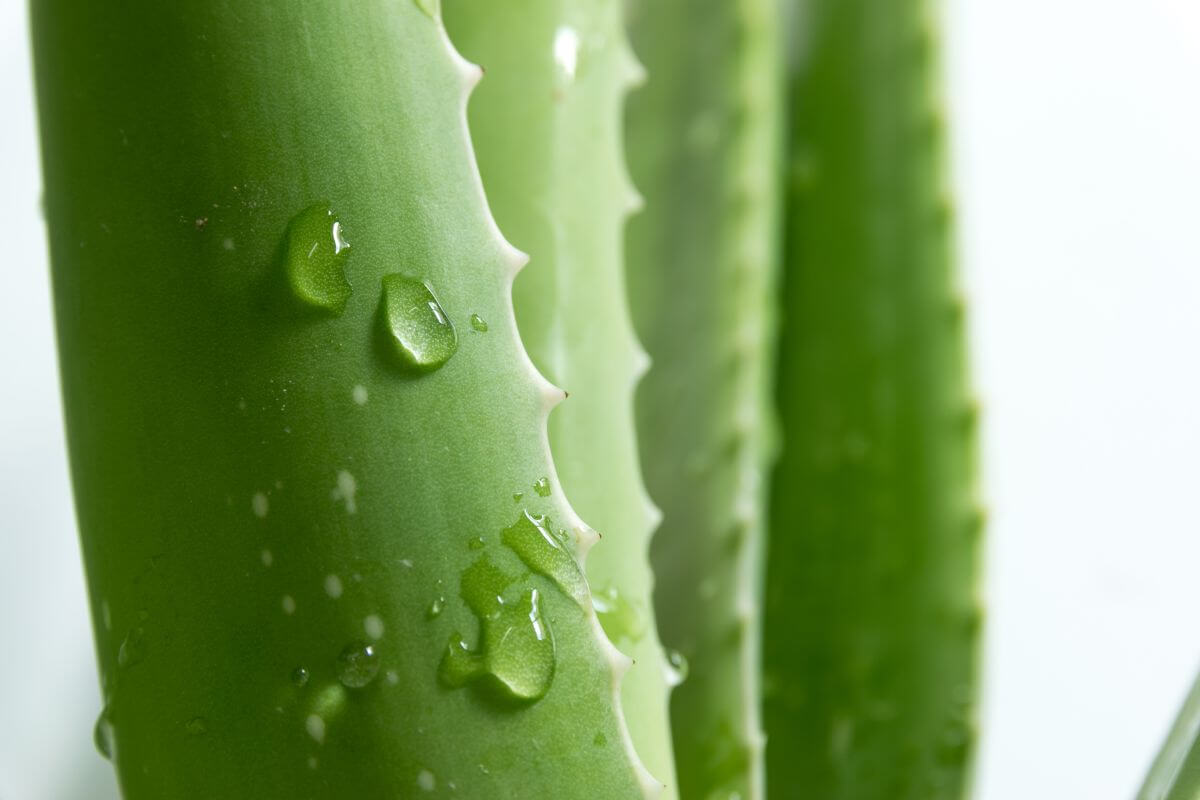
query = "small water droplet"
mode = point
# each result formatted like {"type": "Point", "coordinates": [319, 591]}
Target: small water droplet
{"type": "Point", "coordinates": [104, 735]}
{"type": "Point", "coordinates": [475, 543]}
{"type": "Point", "coordinates": [392, 677]}
{"type": "Point", "coordinates": [436, 607]}
{"type": "Point", "coordinates": [288, 604]}
{"type": "Point", "coordinates": [260, 505]}
{"type": "Point", "coordinates": [426, 780]}
{"type": "Point", "coordinates": [359, 393]}
{"type": "Point", "coordinates": [542, 487]}
{"type": "Point", "coordinates": [333, 586]}
{"type": "Point", "coordinates": [357, 665]}
{"type": "Point", "coordinates": [478, 324]}
{"type": "Point", "coordinates": [299, 677]}
{"type": "Point", "coordinates": [316, 260]}
{"type": "Point", "coordinates": [267, 558]}
{"type": "Point", "coordinates": [133, 648]}
{"type": "Point", "coordinates": [417, 333]}
{"type": "Point", "coordinates": [430, 8]}
{"type": "Point", "coordinates": [676, 667]}
{"type": "Point", "coordinates": [196, 726]}
{"type": "Point", "coordinates": [618, 616]}
{"type": "Point", "coordinates": [517, 496]}
{"type": "Point", "coordinates": [106, 615]}
{"type": "Point", "coordinates": [373, 626]}
{"type": "Point", "coordinates": [312, 762]}
{"type": "Point", "coordinates": [531, 539]}
{"type": "Point", "coordinates": [315, 727]}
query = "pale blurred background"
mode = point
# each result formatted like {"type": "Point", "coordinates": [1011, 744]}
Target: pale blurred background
{"type": "Point", "coordinates": [1077, 158]}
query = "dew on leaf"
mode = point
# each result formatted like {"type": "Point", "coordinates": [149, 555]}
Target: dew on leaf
{"type": "Point", "coordinates": [618, 616]}
{"type": "Point", "coordinates": [531, 539]}
{"type": "Point", "coordinates": [133, 648]}
{"type": "Point", "coordinates": [478, 324]}
{"type": "Point", "coordinates": [315, 260]}
{"type": "Point", "coordinates": [357, 664]}
{"type": "Point", "coordinates": [515, 659]}
{"type": "Point", "coordinates": [416, 332]}
{"type": "Point", "coordinates": [196, 726]}
{"type": "Point", "coordinates": [542, 487]}
{"type": "Point", "coordinates": [104, 735]}
{"type": "Point", "coordinates": [299, 677]}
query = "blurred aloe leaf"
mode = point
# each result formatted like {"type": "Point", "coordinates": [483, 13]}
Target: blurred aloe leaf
{"type": "Point", "coordinates": [871, 616]}
{"type": "Point", "coordinates": [704, 143]}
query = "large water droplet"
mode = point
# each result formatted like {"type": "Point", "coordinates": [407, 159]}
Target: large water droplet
{"type": "Point", "coordinates": [133, 648]}
{"type": "Point", "coordinates": [618, 616]}
{"type": "Point", "coordinates": [357, 665]}
{"type": "Point", "coordinates": [417, 334]}
{"type": "Point", "coordinates": [515, 658]}
{"type": "Point", "coordinates": [531, 539]}
{"type": "Point", "coordinates": [316, 260]}
{"type": "Point", "coordinates": [105, 735]}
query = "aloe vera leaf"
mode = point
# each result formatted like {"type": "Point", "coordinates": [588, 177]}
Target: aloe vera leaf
{"type": "Point", "coordinates": [266, 486]}
{"type": "Point", "coordinates": [547, 130]}
{"type": "Point", "coordinates": [871, 608]}
{"type": "Point", "coordinates": [1175, 772]}
{"type": "Point", "coordinates": [704, 148]}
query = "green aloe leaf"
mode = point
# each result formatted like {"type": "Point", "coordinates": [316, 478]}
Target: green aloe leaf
{"type": "Point", "coordinates": [871, 608]}
{"type": "Point", "coordinates": [294, 446]}
{"type": "Point", "coordinates": [704, 148]}
{"type": "Point", "coordinates": [547, 129]}
{"type": "Point", "coordinates": [1175, 773]}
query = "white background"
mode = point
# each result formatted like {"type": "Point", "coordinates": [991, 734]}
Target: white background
{"type": "Point", "coordinates": [1076, 133]}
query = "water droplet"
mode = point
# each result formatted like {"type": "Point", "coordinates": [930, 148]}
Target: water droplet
{"type": "Point", "coordinates": [542, 487]}
{"type": "Point", "coordinates": [426, 780]}
{"type": "Point", "coordinates": [133, 648]}
{"type": "Point", "coordinates": [530, 538]}
{"type": "Point", "coordinates": [316, 260]}
{"type": "Point", "coordinates": [476, 543]}
{"type": "Point", "coordinates": [333, 586]}
{"type": "Point", "coordinates": [517, 496]}
{"type": "Point", "coordinates": [196, 726]}
{"type": "Point", "coordinates": [315, 727]}
{"type": "Point", "coordinates": [515, 659]}
{"type": "Point", "coordinates": [618, 616]}
{"type": "Point", "coordinates": [259, 504]}
{"type": "Point", "coordinates": [676, 668]}
{"type": "Point", "coordinates": [288, 604]}
{"type": "Point", "coordinates": [373, 626]}
{"type": "Point", "coordinates": [431, 8]}
{"type": "Point", "coordinates": [106, 615]}
{"type": "Point", "coordinates": [312, 762]}
{"type": "Point", "coordinates": [299, 677]}
{"type": "Point", "coordinates": [417, 334]}
{"type": "Point", "coordinates": [105, 735]}
{"type": "Point", "coordinates": [478, 324]}
{"type": "Point", "coordinates": [435, 608]}
{"type": "Point", "coordinates": [357, 665]}
{"type": "Point", "coordinates": [267, 558]}
{"type": "Point", "coordinates": [359, 393]}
